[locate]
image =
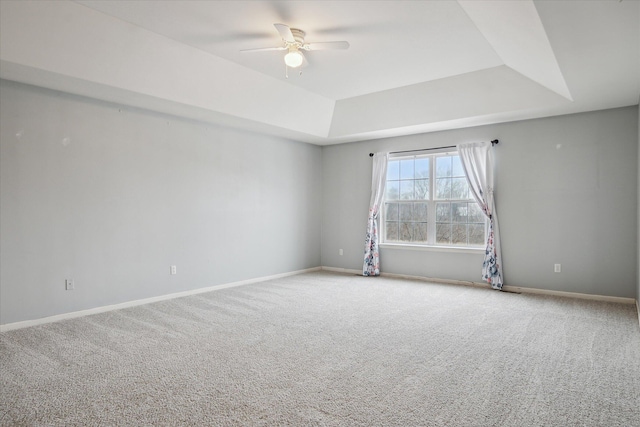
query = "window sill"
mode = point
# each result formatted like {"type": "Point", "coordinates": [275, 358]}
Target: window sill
{"type": "Point", "coordinates": [451, 249]}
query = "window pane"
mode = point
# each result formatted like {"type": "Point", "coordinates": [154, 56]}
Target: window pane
{"type": "Point", "coordinates": [459, 234]}
{"type": "Point", "coordinates": [443, 234]}
{"type": "Point", "coordinates": [459, 212]}
{"type": "Point", "coordinates": [476, 234]}
{"type": "Point", "coordinates": [422, 168]}
{"type": "Point", "coordinates": [420, 212]}
{"type": "Point", "coordinates": [475, 213]}
{"type": "Point", "coordinates": [391, 229]}
{"type": "Point", "coordinates": [391, 213]}
{"type": "Point", "coordinates": [406, 212]}
{"type": "Point", "coordinates": [392, 191]}
{"type": "Point", "coordinates": [458, 220]}
{"type": "Point", "coordinates": [443, 212]}
{"type": "Point", "coordinates": [405, 231]}
{"type": "Point", "coordinates": [420, 232]}
{"type": "Point", "coordinates": [406, 169]}
{"type": "Point", "coordinates": [406, 190]}
{"type": "Point", "coordinates": [422, 189]}
{"type": "Point", "coordinates": [458, 170]}
{"type": "Point", "coordinates": [459, 188]}
{"type": "Point", "coordinates": [393, 170]}
{"type": "Point", "coordinates": [443, 188]}
{"type": "Point", "coordinates": [443, 166]}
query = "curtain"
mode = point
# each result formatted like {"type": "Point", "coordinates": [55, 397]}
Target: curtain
{"type": "Point", "coordinates": [371, 265]}
{"type": "Point", "coordinates": [477, 162]}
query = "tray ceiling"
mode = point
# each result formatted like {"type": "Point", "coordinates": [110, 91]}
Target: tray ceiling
{"type": "Point", "coordinates": [412, 66]}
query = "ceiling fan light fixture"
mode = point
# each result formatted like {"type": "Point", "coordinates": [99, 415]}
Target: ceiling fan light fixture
{"type": "Point", "coordinates": [294, 44]}
{"type": "Point", "coordinates": [293, 59]}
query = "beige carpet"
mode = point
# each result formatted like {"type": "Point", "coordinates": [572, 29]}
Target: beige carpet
{"type": "Point", "coordinates": [325, 349]}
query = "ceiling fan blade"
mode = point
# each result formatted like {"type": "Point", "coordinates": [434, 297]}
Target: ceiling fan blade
{"type": "Point", "coordinates": [326, 45]}
{"type": "Point", "coordinates": [264, 49]}
{"type": "Point", "coordinates": [285, 32]}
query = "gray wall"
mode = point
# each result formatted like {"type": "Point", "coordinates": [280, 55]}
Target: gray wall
{"type": "Point", "coordinates": [566, 192]}
{"type": "Point", "coordinates": [112, 196]}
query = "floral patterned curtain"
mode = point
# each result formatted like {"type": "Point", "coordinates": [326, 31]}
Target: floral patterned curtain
{"type": "Point", "coordinates": [477, 161]}
{"type": "Point", "coordinates": [371, 265]}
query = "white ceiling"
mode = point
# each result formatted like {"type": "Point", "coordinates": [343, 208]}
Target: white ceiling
{"type": "Point", "coordinates": [413, 66]}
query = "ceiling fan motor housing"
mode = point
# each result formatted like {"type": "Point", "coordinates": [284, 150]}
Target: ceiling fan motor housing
{"type": "Point", "coordinates": [298, 35]}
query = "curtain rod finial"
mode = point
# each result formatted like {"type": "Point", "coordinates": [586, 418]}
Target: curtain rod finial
{"type": "Point", "coordinates": [370, 154]}
{"type": "Point", "coordinates": [494, 142]}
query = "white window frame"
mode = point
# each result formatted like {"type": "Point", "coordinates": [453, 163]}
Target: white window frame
{"type": "Point", "coordinates": [431, 244]}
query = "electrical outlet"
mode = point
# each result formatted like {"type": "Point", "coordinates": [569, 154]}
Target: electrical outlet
{"type": "Point", "coordinates": [174, 269]}
{"type": "Point", "coordinates": [557, 268]}
{"type": "Point", "coordinates": [68, 285]}
{"type": "Point", "coordinates": [341, 252]}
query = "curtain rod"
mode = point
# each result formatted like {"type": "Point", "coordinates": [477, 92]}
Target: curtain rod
{"type": "Point", "coordinates": [494, 142]}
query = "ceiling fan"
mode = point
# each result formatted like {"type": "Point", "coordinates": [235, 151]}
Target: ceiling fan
{"type": "Point", "coordinates": [294, 43]}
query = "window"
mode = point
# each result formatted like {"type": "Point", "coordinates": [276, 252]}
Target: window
{"type": "Point", "coordinates": [427, 202]}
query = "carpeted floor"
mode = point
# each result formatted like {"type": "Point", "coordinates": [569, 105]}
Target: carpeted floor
{"type": "Point", "coordinates": [327, 349]}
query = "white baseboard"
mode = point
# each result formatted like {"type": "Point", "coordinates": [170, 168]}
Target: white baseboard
{"type": "Point", "coordinates": [594, 297]}
{"type": "Point", "coordinates": [516, 289]}
{"type": "Point", "coordinates": [342, 270]}
{"type": "Point", "coordinates": [102, 309]}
